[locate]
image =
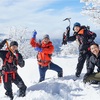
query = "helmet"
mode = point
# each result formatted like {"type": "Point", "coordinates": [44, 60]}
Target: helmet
{"type": "Point", "coordinates": [76, 24]}
{"type": "Point", "coordinates": [14, 43]}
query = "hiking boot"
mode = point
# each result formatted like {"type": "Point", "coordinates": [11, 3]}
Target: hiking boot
{"type": "Point", "coordinates": [60, 74]}
{"type": "Point", "coordinates": [9, 94]}
{"type": "Point", "coordinates": [77, 74]}
{"type": "Point", "coordinates": [94, 82]}
{"type": "Point", "coordinates": [22, 92]}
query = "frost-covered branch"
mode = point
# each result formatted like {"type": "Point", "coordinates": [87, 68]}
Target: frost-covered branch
{"type": "Point", "coordinates": [92, 9]}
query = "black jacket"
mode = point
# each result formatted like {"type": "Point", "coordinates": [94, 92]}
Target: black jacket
{"type": "Point", "coordinates": [94, 61]}
{"type": "Point", "coordinates": [84, 37]}
{"type": "Point", "coordinates": [11, 61]}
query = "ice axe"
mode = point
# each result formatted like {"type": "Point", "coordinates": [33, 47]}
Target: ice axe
{"type": "Point", "coordinates": [67, 28]}
{"type": "Point", "coordinates": [68, 20]}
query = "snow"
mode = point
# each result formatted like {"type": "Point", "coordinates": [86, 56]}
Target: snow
{"type": "Point", "coordinates": [54, 88]}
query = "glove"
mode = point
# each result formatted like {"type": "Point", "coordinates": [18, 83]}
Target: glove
{"type": "Point", "coordinates": [21, 62]}
{"type": "Point", "coordinates": [3, 42]}
{"type": "Point", "coordinates": [38, 49]}
{"type": "Point", "coordinates": [16, 51]}
{"type": "Point", "coordinates": [68, 29]}
{"type": "Point", "coordinates": [20, 58]}
{"type": "Point", "coordinates": [34, 34]}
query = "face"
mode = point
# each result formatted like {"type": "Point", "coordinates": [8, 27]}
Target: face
{"type": "Point", "coordinates": [46, 40]}
{"type": "Point", "coordinates": [94, 49]}
{"type": "Point", "coordinates": [76, 28]}
{"type": "Point", "coordinates": [14, 48]}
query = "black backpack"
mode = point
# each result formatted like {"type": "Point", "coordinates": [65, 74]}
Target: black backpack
{"type": "Point", "coordinates": [3, 54]}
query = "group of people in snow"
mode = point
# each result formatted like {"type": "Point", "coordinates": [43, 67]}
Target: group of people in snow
{"type": "Point", "coordinates": [11, 58]}
{"type": "Point", "coordinates": [88, 50]}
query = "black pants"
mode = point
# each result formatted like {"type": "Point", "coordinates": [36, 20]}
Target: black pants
{"type": "Point", "coordinates": [18, 81]}
{"type": "Point", "coordinates": [81, 60]}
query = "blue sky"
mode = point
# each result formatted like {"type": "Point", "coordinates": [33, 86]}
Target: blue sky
{"type": "Point", "coordinates": [46, 16]}
{"type": "Point", "coordinates": [60, 4]}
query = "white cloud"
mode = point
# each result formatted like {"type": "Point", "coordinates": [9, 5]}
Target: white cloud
{"type": "Point", "coordinates": [26, 13]}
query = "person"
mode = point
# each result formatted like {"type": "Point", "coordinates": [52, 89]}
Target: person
{"type": "Point", "coordinates": [9, 71]}
{"type": "Point", "coordinates": [2, 43]}
{"type": "Point", "coordinates": [84, 37]}
{"type": "Point", "coordinates": [45, 50]}
{"type": "Point", "coordinates": [92, 76]}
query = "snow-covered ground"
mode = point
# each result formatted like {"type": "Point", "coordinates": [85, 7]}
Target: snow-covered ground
{"type": "Point", "coordinates": [54, 88]}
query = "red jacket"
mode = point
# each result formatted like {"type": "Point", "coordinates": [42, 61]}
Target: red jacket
{"type": "Point", "coordinates": [43, 57]}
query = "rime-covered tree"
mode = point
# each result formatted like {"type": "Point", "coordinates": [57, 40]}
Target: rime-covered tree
{"type": "Point", "coordinates": [69, 49]}
{"type": "Point", "coordinates": [92, 9]}
{"type": "Point", "coordinates": [22, 36]}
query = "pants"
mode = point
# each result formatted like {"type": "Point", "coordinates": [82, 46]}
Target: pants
{"type": "Point", "coordinates": [18, 81]}
{"type": "Point", "coordinates": [81, 60]}
{"type": "Point", "coordinates": [93, 77]}
{"type": "Point", "coordinates": [52, 66]}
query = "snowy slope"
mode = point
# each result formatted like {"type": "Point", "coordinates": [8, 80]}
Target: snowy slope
{"type": "Point", "coordinates": [54, 88]}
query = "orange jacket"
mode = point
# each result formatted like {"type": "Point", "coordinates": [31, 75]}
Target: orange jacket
{"type": "Point", "coordinates": [43, 57]}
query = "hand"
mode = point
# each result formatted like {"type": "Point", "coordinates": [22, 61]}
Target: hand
{"type": "Point", "coordinates": [4, 41]}
{"type": "Point", "coordinates": [20, 57]}
{"type": "Point", "coordinates": [34, 34]}
{"type": "Point", "coordinates": [21, 62]}
{"type": "Point", "coordinates": [68, 29]}
{"type": "Point", "coordinates": [38, 49]}
{"type": "Point", "coordinates": [16, 51]}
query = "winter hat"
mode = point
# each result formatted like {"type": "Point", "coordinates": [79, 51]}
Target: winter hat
{"type": "Point", "coordinates": [76, 24]}
{"type": "Point", "coordinates": [13, 43]}
{"type": "Point", "coordinates": [46, 36]}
